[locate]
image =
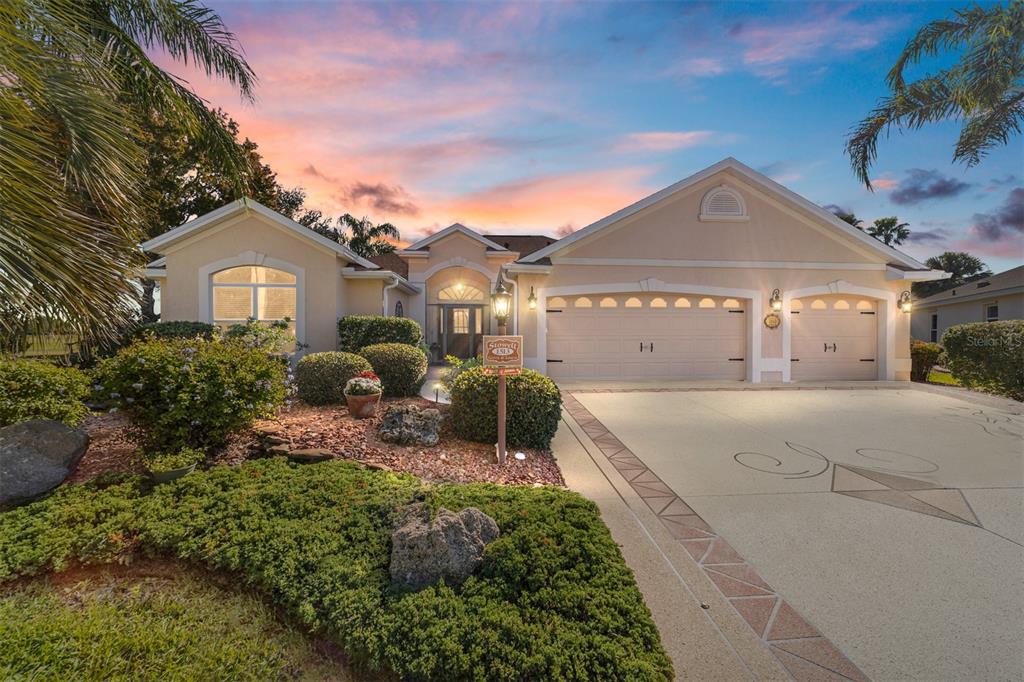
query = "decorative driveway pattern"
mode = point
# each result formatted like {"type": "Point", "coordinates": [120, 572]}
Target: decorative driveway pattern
{"type": "Point", "coordinates": [860, 533]}
{"type": "Point", "coordinates": [805, 653]}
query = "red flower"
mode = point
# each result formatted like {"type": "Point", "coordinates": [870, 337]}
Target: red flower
{"type": "Point", "coordinates": [368, 375]}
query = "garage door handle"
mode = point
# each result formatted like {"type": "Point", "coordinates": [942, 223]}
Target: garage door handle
{"type": "Point", "coordinates": [652, 346]}
{"type": "Point", "coordinates": [641, 346]}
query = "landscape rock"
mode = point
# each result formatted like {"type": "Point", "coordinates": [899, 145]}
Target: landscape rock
{"type": "Point", "coordinates": [310, 455]}
{"type": "Point", "coordinates": [36, 456]}
{"type": "Point", "coordinates": [409, 425]}
{"type": "Point", "coordinates": [449, 547]}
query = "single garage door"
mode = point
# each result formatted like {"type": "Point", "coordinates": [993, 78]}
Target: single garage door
{"type": "Point", "coordinates": [834, 337]}
{"type": "Point", "coordinates": [646, 336]}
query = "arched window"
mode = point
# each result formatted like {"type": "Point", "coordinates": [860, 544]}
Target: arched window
{"type": "Point", "coordinates": [682, 302]}
{"type": "Point", "coordinates": [865, 305]}
{"type": "Point", "coordinates": [723, 203]}
{"type": "Point", "coordinates": [583, 302]}
{"type": "Point", "coordinates": [460, 292]}
{"type": "Point", "coordinates": [818, 304]}
{"type": "Point", "coordinates": [556, 302]}
{"type": "Point", "coordinates": [706, 303]}
{"type": "Point", "coordinates": [658, 303]}
{"type": "Point", "coordinates": [796, 304]}
{"type": "Point", "coordinates": [254, 291]}
{"type": "Point", "coordinates": [633, 302]}
{"type": "Point", "coordinates": [608, 302]}
{"type": "Point", "coordinates": [730, 303]}
{"type": "Point", "coordinates": [840, 305]}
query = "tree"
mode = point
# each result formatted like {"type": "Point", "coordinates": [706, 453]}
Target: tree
{"type": "Point", "coordinates": [890, 230]}
{"type": "Point", "coordinates": [849, 218]}
{"type": "Point", "coordinates": [984, 89]}
{"type": "Point", "coordinates": [359, 234]}
{"type": "Point", "coordinates": [75, 75]}
{"type": "Point", "coordinates": [963, 268]}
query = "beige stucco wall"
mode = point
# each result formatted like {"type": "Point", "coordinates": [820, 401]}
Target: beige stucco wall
{"type": "Point", "coordinates": [253, 238]}
{"type": "Point", "coordinates": [1011, 307]}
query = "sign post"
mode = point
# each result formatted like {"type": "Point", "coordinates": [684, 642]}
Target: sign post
{"type": "Point", "coordinates": [503, 355]}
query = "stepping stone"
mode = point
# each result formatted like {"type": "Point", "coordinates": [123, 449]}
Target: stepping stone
{"type": "Point", "coordinates": [310, 455]}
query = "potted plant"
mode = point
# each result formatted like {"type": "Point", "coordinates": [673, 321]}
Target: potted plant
{"type": "Point", "coordinates": [362, 393]}
{"type": "Point", "coordinates": [167, 467]}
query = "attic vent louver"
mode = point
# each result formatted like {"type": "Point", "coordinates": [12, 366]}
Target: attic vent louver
{"type": "Point", "coordinates": [723, 204]}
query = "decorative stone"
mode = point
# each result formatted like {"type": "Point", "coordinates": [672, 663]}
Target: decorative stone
{"type": "Point", "coordinates": [310, 455]}
{"type": "Point", "coordinates": [278, 450]}
{"type": "Point", "coordinates": [267, 430]}
{"type": "Point", "coordinates": [449, 547]}
{"type": "Point", "coordinates": [409, 425]}
{"type": "Point", "coordinates": [36, 456]}
{"type": "Point", "coordinates": [377, 465]}
{"type": "Point", "coordinates": [276, 440]}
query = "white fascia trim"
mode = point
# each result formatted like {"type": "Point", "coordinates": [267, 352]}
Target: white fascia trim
{"type": "Point", "coordinates": [742, 264]}
{"type": "Point", "coordinates": [405, 253]}
{"type": "Point", "coordinates": [754, 177]}
{"type": "Point", "coordinates": [452, 229]}
{"type": "Point", "coordinates": [753, 369]}
{"type": "Point", "coordinates": [240, 207]}
{"type": "Point", "coordinates": [461, 262]}
{"type": "Point", "coordinates": [155, 273]}
{"type": "Point", "coordinates": [514, 255]}
{"type": "Point", "coordinates": [528, 268]}
{"type": "Point", "coordinates": [158, 263]}
{"type": "Point", "coordinates": [388, 275]}
{"type": "Point", "coordinates": [915, 275]}
{"type": "Point", "coordinates": [980, 295]}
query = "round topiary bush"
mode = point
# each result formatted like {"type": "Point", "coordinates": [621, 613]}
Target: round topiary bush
{"type": "Point", "coordinates": [534, 407]}
{"type": "Point", "coordinates": [182, 393]}
{"type": "Point", "coordinates": [321, 377]}
{"type": "Point", "coordinates": [401, 368]}
{"type": "Point", "coordinates": [31, 389]}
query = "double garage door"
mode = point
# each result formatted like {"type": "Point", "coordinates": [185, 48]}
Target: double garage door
{"type": "Point", "coordinates": [660, 336]}
{"type": "Point", "coordinates": [646, 336]}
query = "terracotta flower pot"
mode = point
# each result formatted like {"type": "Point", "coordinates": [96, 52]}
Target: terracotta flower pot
{"type": "Point", "coordinates": [362, 406]}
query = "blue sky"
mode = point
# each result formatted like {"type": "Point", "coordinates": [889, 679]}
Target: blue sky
{"type": "Point", "coordinates": [542, 117]}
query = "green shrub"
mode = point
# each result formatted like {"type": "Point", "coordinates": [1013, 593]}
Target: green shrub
{"type": "Point", "coordinates": [553, 598]}
{"type": "Point", "coordinates": [182, 393]}
{"type": "Point", "coordinates": [401, 368]}
{"type": "Point", "coordinates": [175, 329]}
{"type": "Point", "coordinates": [271, 337]}
{"type": "Point", "coordinates": [923, 357]}
{"type": "Point", "coordinates": [320, 378]}
{"type": "Point", "coordinates": [988, 355]}
{"type": "Point", "coordinates": [534, 407]}
{"type": "Point", "coordinates": [32, 389]}
{"type": "Point", "coordinates": [355, 332]}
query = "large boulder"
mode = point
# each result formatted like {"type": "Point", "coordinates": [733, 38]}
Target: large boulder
{"type": "Point", "coordinates": [409, 425]}
{"type": "Point", "coordinates": [36, 456]}
{"type": "Point", "coordinates": [449, 547]}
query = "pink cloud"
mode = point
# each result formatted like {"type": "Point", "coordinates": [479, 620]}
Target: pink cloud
{"type": "Point", "coordinates": [699, 67]}
{"type": "Point", "coordinates": [665, 141]}
{"type": "Point", "coordinates": [884, 184]}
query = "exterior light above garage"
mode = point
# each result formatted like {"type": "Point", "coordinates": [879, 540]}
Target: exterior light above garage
{"type": "Point", "coordinates": [905, 304]}
{"type": "Point", "coordinates": [501, 302]}
{"type": "Point", "coordinates": [776, 300]}
{"type": "Point", "coordinates": [532, 299]}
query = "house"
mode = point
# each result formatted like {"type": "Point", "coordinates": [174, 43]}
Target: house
{"type": "Point", "coordinates": [723, 275]}
{"type": "Point", "coordinates": [999, 297]}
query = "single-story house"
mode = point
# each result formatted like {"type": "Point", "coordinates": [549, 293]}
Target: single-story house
{"type": "Point", "coordinates": [999, 297]}
{"type": "Point", "coordinates": [678, 285]}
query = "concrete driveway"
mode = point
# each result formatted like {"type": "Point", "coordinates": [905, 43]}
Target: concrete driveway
{"type": "Point", "coordinates": [860, 533]}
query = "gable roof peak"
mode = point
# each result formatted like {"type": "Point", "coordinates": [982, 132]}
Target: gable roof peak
{"type": "Point", "coordinates": [453, 229]}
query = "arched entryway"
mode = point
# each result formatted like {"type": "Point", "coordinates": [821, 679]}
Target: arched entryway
{"type": "Point", "coordinates": [458, 312]}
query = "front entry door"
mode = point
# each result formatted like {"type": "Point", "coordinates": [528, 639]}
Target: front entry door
{"type": "Point", "coordinates": [461, 331]}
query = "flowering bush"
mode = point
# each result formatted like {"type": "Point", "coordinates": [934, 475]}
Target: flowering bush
{"type": "Point", "coordinates": [182, 393]}
{"type": "Point", "coordinates": [364, 383]}
{"type": "Point", "coordinates": [31, 389]}
{"type": "Point", "coordinates": [272, 337]}
{"type": "Point", "coordinates": [176, 460]}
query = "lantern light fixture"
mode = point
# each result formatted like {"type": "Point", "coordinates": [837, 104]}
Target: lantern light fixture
{"type": "Point", "coordinates": [501, 302]}
{"type": "Point", "coordinates": [776, 300]}
{"type": "Point", "coordinates": [906, 305]}
{"type": "Point", "coordinates": [532, 299]}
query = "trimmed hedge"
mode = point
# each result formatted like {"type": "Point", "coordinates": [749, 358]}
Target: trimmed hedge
{"type": "Point", "coordinates": [401, 368]}
{"type": "Point", "coordinates": [534, 407]}
{"type": "Point", "coordinates": [552, 600]}
{"type": "Point", "coordinates": [321, 377]}
{"type": "Point", "coordinates": [355, 332]}
{"type": "Point", "coordinates": [988, 355]}
{"type": "Point", "coordinates": [182, 393]}
{"type": "Point", "coordinates": [923, 357]}
{"type": "Point", "coordinates": [175, 329]}
{"type": "Point", "coordinates": [33, 389]}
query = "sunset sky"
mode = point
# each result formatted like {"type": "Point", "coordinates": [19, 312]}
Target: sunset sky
{"type": "Point", "coordinates": [543, 117]}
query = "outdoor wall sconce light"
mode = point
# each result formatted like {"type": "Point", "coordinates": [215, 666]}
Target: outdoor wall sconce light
{"type": "Point", "coordinates": [776, 300]}
{"type": "Point", "coordinates": [905, 304]}
{"type": "Point", "coordinates": [501, 302]}
{"type": "Point", "coordinates": [532, 300]}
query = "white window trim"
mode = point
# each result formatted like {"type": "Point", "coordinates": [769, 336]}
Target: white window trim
{"type": "Point", "coordinates": [207, 271]}
{"type": "Point", "coordinates": [985, 312]}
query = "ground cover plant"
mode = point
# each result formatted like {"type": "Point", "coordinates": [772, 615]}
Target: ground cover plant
{"type": "Point", "coordinates": [33, 389]}
{"type": "Point", "coordinates": [553, 598]}
{"type": "Point", "coordinates": [155, 623]}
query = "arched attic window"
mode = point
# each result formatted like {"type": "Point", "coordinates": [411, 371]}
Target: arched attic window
{"type": "Point", "coordinates": [723, 204]}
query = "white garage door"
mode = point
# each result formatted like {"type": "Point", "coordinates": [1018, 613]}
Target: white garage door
{"type": "Point", "coordinates": [646, 336]}
{"type": "Point", "coordinates": [834, 337]}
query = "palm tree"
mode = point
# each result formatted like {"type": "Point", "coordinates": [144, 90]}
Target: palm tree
{"type": "Point", "coordinates": [984, 88]}
{"type": "Point", "coordinates": [962, 266]}
{"type": "Point", "coordinates": [365, 238]}
{"type": "Point", "coordinates": [76, 80]}
{"type": "Point", "coordinates": [849, 218]}
{"type": "Point", "coordinates": [890, 230]}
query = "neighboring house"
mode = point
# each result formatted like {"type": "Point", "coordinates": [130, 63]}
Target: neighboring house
{"type": "Point", "coordinates": [678, 285]}
{"type": "Point", "coordinates": [999, 297]}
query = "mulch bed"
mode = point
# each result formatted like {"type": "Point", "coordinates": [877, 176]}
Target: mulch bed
{"type": "Point", "coordinates": [331, 427]}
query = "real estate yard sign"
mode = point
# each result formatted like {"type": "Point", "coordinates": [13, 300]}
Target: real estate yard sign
{"type": "Point", "coordinates": [503, 354]}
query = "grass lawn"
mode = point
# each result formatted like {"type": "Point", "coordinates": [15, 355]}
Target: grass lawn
{"type": "Point", "coordinates": [942, 378]}
{"type": "Point", "coordinates": [553, 599]}
{"type": "Point", "coordinates": [137, 625]}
